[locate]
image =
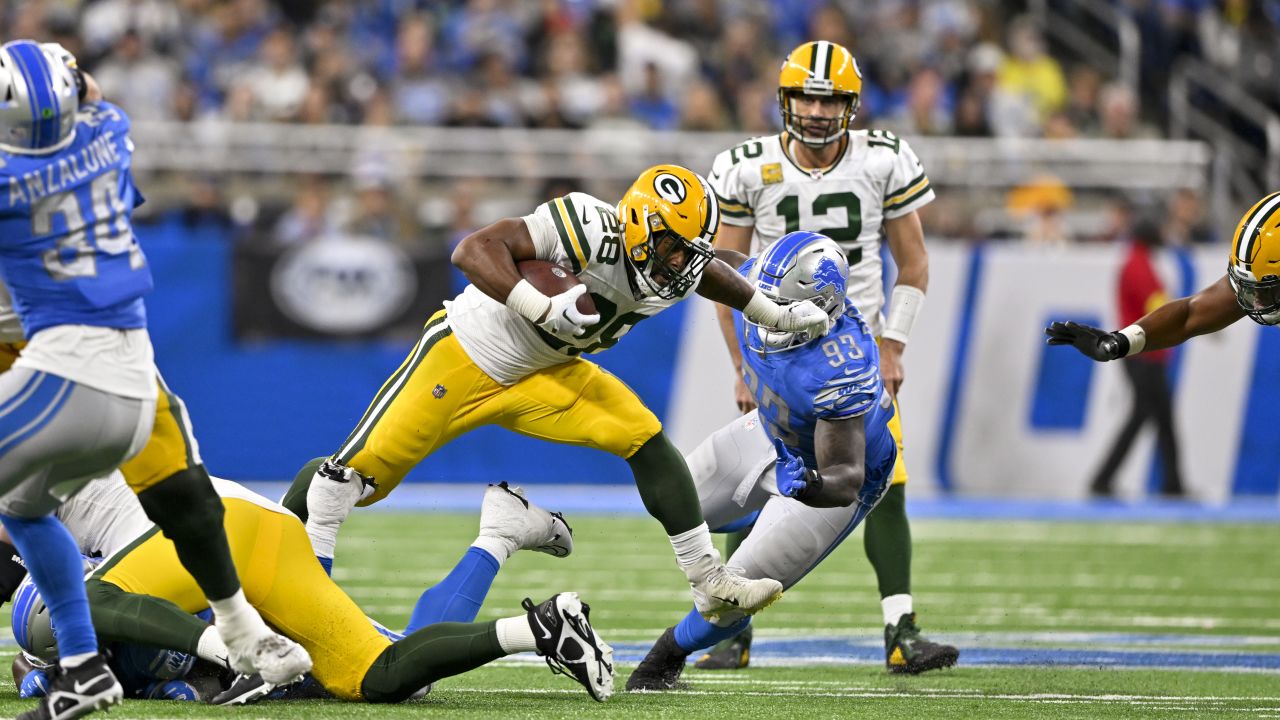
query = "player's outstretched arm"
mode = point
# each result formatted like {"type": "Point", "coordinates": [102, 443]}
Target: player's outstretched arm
{"type": "Point", "coordinates": [722, 284]}
{"type": "Point", "coordinates": [1173, 323]}
{"type": "Point", "coordinates": [840, 447]}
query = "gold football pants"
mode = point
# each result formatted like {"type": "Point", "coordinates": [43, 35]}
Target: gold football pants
{"type": "Point", "coordinates": [281, 578]}
{"type": "Point", "coordinates": [438, 393]}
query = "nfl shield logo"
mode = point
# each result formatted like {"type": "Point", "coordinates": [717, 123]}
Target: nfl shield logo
{"type": "Point", "coordinates": [438, 391]}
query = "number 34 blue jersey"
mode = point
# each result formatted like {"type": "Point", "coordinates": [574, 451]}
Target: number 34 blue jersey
{"type": "Point", "coordinates": [836, 377]}
{"type": "Point", "coordinates": [67, 248]}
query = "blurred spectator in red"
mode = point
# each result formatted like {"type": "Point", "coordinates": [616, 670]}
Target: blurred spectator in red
{"type": "Point", "coordinates": [1138, 292]}
{"type": "Point", "coordinates": [138, 80]}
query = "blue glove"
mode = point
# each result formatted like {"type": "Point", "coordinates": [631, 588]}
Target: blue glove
{"type": "Point", "coordinates": [35, 684]}
{"type": "Point", "coordinates": [789, 469]}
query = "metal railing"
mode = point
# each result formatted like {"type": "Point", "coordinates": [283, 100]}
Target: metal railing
{"type": "Point", "coordinates": [1120, 59]}
{"type": "Point", "coordinates": [619, 155]}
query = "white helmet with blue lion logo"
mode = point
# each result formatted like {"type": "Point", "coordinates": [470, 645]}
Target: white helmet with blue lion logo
{"type": "Point", "coordinates": [798, 266]}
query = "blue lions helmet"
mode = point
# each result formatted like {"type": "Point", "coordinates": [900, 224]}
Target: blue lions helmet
{"type": "Point", "coordinates": [798, 266]}
{"type": "Point", "coordinates": [32, 628]}
{"type": "Point", "coordinates": [39, 97]}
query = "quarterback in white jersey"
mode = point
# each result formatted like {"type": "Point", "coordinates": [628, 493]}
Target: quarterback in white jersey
{"type": "Point", "coordinates": [820, 176]}
{"type": "Point", "coordinates": [503, 353]}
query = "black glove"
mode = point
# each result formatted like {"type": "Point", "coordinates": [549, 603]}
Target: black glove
{"type": "Point", "coordinates": [1097, 344]}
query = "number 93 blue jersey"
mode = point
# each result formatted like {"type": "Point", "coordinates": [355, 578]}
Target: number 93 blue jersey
{"type": "Point", "coordinates": [835, 377]}
{"type": "Point", "coordinates": [67, 248]}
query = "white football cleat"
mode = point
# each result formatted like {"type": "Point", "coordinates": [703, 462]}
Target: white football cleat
{"type": "Point", "coordinates": [275, 657]}
{"type": "Point", "coordinates": [508, 515]}
{"type": "Point", "coordinates": [335, 489]}
{"type": "Point", "coordinates": [718, 590]}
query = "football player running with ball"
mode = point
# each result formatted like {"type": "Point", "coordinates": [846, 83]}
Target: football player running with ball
{"type": "Point", "coordinates": [813, 459]}
{"type": "Point", "coordinates": [1250, 287]}
{"type": "Point", "coordinates": [503, 353]}
{"type": "Point", "coordinates": [820, 176]}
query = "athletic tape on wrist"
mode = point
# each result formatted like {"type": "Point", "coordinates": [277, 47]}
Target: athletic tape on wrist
{"type": "Point", "coordinates": [904, 306]}
{"type": "Point", "coordinates": [1137, 338]}
{"type": "Point", "coordinates": [762, 310]}
{"type": "Point", "coordinates": [528, 301]}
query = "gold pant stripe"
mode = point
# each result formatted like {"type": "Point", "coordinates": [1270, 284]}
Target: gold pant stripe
{"type": "Point", "coordinates": [281, 578]}
{"type": "Point", "coordinates": [123, 552]}
{"type": "Point", "coordinates": [431, 334]}
{"type": "Point", "coordinates": [178, 411]}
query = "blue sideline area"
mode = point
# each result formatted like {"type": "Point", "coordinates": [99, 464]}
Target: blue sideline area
{"type": "Point", "coordinates": [624, 500]}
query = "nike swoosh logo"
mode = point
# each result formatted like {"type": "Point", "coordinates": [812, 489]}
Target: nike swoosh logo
{"type": "Point", "coordinates": [585, 220]}
{"type": "Point", "coordinates": [546, 634]}
{"type": "Point", "coordinates": [727, 600]}
{"type": "Point", "coordinates": [79, 687]}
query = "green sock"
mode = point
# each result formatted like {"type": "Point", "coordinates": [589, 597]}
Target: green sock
{"type": "Point", "coordinates": [665, 485]}
{"type": "Point", "coordinates": [295, 500]}
{"type": "Point", "coordinates": [121, 616]}
{"type": "Point", "coordinates": [189, 512]}
{"type": "Point", "coordinates": [887, 539]}
{"type": "Point", "coordinates": [434, 652]}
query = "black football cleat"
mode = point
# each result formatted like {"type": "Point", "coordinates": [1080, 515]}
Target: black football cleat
{"type": "Point", "coordinates": [79, 691]}
{"type": "Point", "coordinates": [729, 654]}
{"type": "Point", "coordinates": [661, 668]}
{"type": "Point", "coordinates": [562, 629]}
{"type": "Point", "coordinates": [907, 651]}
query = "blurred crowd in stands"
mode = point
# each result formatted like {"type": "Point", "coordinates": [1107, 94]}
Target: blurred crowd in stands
{"type": "Point", "coordinates": [976, 68]}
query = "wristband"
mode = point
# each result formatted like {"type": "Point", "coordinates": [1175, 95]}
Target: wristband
{"type": "Point", "coordinates": [762, 311]}
{"type": "Point", "coordinates": [528, 301]}
{"type": "Point", "coordinates": [1137, 338]}
{"type": "Point", "coordinates": [813, 486]}
{"type": "Point", "coordinates": [904, 305]}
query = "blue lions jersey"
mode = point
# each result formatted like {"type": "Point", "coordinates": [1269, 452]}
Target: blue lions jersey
{"type": "Point", "coordinates": [67, 248]}
{"type": "Point", "coordinates": [836, 377]}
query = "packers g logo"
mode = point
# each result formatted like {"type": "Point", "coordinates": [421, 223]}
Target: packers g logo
{"type": "Point", "coordinates": [669, 188]}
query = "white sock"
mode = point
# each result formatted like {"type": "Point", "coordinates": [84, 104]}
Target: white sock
{"type": "Point", "coordinates": [693, 545]}
{"type": "Point", "coordinates": [237, 619]}
{"type": "Point", "coordinates": [515, 635]}
{"type": "Point", "coordinates": [894, 607]}
{"type": "Point", "coordinates": [75, 661]}
{"type": "Point", "coordinates": [211, 648]}
{"type": "Point", "coordinates": [499, 548]}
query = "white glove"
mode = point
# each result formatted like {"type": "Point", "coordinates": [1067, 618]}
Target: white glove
{"type": "Point", "coordinates": [804, 317]}
{"type": "Point", "coordinates": [59, 52]}
{"type": "Point", "coordinates": [563, 319]}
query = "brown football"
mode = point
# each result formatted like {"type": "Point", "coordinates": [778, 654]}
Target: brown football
{"type": "Point", "coordinates": [552, 279]}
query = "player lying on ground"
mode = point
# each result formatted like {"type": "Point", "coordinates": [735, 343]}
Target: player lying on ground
{"type": "Point", "coordinates": [813, 459]}
{"type": "Point", "coordinates": [82, 397]}
{"type": "Point", "coordinates": [140, 595]}
{"type": "Point", "coordinates": [1251, 287]}
{"type": "Point", "coordinates": [504, 353]}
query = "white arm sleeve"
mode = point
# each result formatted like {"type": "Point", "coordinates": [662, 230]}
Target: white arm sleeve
{"type": "Point", "coordinates": [904, 306]}
{"type": "Point", "coordinates": [543, 232]}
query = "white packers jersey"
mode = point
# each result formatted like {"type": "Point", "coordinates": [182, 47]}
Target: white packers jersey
{"type": "Point", "coordinates": [877, 178]}
{"type": "Point", "coordinates": [583, 234]}
{"type": "Point", "coordinates": [106, 516]}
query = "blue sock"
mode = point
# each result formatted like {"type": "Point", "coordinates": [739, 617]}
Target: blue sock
{"type": "Point", "coordinates": [458, 597]}
{"type": "Point", "coordinates": [695, 633]}
{"type": "Point", "coordinates": [54, 561]}
{"type": "Point", "coordinates": [327, 564]}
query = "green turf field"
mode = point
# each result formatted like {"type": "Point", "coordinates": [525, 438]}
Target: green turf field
{"type": "Point", "coordinates": [1060, 620]}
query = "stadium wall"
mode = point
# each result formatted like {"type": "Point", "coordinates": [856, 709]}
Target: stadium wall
{"type": "Point", "coordinates": [988, 408]}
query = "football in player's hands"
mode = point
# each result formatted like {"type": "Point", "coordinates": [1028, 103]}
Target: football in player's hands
{"type": "Point", "coordinates": [551, 279]}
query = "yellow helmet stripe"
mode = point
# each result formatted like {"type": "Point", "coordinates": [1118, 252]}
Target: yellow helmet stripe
{"type": "Point", "coordinates": [1252, 226]}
